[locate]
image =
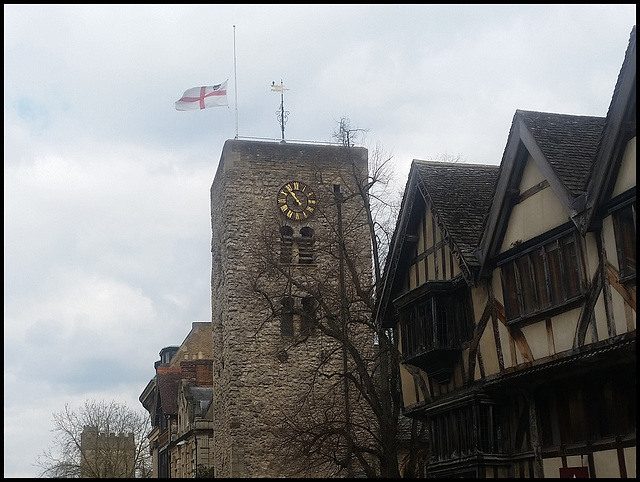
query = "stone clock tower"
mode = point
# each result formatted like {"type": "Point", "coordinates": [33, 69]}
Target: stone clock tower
{"type": "Point", "coordinates": [274, 214]}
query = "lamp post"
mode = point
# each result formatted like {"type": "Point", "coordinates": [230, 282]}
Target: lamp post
{"type": "Point", "coordinates": [337, 191]}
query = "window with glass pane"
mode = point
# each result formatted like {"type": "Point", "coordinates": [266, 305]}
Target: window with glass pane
{"type": "Point", "coordinates": [527, 289]}
{"type": "Point", "coordinates": [625, 230]}
{"type": "Point", "coordinates": [440, 320]}
{"type": "Point", "coordinates": [441, 323]}
{"type": "Point", "coordinates": [555, 273]}
{"type": "Point", "coordinates": [426, 330]}
{"type": "Point", "coordinates": [542, 285]}
{"type": "Point", "coordinates": [572, 266]}
{"type": "Point", "coordinates": [509, 290]}
{"type": "Point", "coordinates": [542, 278]}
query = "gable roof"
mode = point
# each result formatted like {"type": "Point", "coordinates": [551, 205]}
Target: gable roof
{"type": "Point", "coordinates": [562, 146]}
{"type": "Point", "coordinates": [567, 142]}
{"type": "Point", "coordinates": [620, 126]}
{"type": "Point", "coordinates": [578, 156]}
{"type": "Point", "coordinates": [458, 195]}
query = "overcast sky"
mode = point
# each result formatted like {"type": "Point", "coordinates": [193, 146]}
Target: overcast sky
{"type": "Point", "coordinates": [106, 186]}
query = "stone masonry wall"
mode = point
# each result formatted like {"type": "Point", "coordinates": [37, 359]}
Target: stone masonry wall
{"type": "Point", "coordinates": [251, 382]}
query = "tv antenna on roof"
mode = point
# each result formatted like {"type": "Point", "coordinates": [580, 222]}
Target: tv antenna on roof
{"type": "Point", "coordinates": [281, 114]}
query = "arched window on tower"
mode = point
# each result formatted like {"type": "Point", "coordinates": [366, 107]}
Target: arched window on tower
{"type": "Point", "coordinates": [305, 246]}
{"type": "Point", "coordinates": [286, 244]}
{"type": "Point", "coordinates": [308, 317]}
{"type": "Point", "coordinates": [286, 317]}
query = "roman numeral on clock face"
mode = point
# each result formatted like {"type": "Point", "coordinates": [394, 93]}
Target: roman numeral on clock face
{"type": "Point", "coordinates": [296, 200]}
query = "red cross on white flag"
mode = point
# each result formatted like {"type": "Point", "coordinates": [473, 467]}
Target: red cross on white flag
{"type": "Point", "coordinates": [198, 98]}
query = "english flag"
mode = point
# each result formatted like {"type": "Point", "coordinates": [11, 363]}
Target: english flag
{"type": "Point", "coordinates": [198, 98]}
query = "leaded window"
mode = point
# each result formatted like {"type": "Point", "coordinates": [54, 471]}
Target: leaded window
{"type": "Point", "coordinates": [545, 277]}
{"type": "Point", "coordinates": [624, 222]}
{"type": "Point", "coordinates": [465, 431]}
{"type": "Point", "coordinates": [441, 320]}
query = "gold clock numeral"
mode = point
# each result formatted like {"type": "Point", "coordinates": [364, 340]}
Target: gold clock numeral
{"type": "Point", "coordinates": [296, 200]}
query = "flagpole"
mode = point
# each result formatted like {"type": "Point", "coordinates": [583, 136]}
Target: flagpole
{"type": "Point", "coordinates": [235, 78]}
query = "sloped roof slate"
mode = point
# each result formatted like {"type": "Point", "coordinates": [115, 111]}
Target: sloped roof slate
{"type": "Point", "coordinates": [460, 195]}
{"type": "Point", "coordinates": [620, 126]}
{"type": "Point", "coordinates": [568, 142]}
{"type": "Point", "coordinates": [203, 396]}
{"type": "Point", "coordinates": [168, 388]}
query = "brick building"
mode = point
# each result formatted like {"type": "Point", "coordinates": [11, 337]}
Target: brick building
{"type": "Point", "coordinates": [178, 399]}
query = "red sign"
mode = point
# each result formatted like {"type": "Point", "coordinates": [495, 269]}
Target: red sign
{"type": "Point", "coordinates": [574, 472]}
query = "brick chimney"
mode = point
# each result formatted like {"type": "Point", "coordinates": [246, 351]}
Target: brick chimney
{"type": "Point", "coordinates": [198, 372]}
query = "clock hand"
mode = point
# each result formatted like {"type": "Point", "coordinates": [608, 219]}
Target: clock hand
{"type": "Point", "coordinates": [294, 196]}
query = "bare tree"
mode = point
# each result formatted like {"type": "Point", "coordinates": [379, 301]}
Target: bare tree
{"type": "Point", "coordinates": [446, 157]}
{"type": "Point", "coordinates": [350, 414]}
{"type": "Point", "coordinates": [346, 135]}
{"type": "Point", "coordinates": [98, 440]}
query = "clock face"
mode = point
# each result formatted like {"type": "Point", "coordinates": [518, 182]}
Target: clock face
{"type": "Point", "coordinates": [296, 200]}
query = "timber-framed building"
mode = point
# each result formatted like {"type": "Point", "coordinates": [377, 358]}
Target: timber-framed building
{"type": "Point", "coordinates": [511, 291]}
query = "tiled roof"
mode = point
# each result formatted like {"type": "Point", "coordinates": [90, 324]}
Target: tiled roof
{"type": "Point", "coordinates": [568, 142]}
{"type": "Point", "coordinates": [168, 388]}
{"type": "Point", "coordinates": [620, 126]}
{"type": "Point", "coordinates": [460, 195]}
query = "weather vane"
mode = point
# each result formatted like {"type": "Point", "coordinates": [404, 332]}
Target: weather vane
{"type": "Point", "coordinates": [281, 114]}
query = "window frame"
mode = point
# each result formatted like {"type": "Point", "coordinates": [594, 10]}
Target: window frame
{"type": "Point", "coordinates": [624, 227]}
{"type": "Point", "coordinates": [466, 430]}
{"type": "Point", "coordinates": [440, 319]}
{"type": "Point", "coordinates": [561, 260]}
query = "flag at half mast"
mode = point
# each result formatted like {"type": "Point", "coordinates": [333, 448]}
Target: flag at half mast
{"type": "Point", "coordinates": [198, 98]}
